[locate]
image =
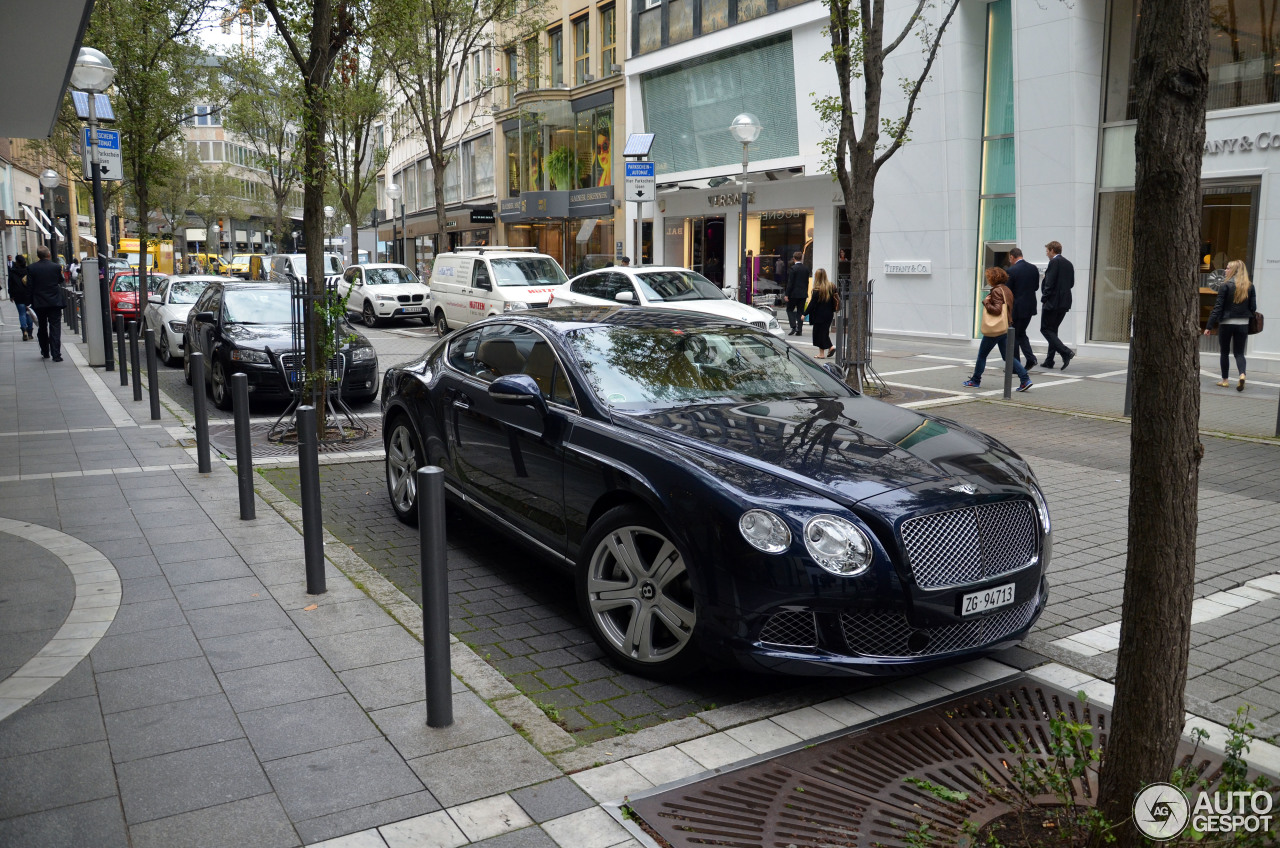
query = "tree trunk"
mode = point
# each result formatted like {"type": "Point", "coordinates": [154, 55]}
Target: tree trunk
{"type": "Point", "coordinates": [442, 218]}
{"type": "Point", "coordinates": [142, 195]}
{"type": "Point", "coordinates": [354, 220]}
{"type": "Point", "coordinates": [859, 203]}
{"type": "Point", "coordinates": [313, 126]}
{"type": "Point", "coordinates": [1172, 84]}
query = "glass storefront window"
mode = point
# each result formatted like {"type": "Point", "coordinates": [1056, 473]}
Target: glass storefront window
{"type": "Point", "coordinates": [782, 234]}
{"type": "Point", "coordinates": [512, 138]}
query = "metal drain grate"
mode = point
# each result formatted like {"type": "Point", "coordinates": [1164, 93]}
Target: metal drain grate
{"type": "Point", "coordinates": [852, 791]}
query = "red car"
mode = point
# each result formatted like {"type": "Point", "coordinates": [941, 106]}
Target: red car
{"type": "Point", "coordinates": [124, 294]}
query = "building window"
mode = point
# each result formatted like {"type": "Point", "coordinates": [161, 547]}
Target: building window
{"type": "Point", "coordinates": [532, 63]}
{"type": "Point", "coordinates": [581, 50]}
{"type": "Point", "coordinates": [608, 39]}
{"type": "Point", "coordinates": [409, 187]}
{"type": "Point", "coordinates": [513, 76]}
{"type": "Point", "coordinates": [453, 178]}
{"type": "Point", "coordinates": [512, 140]}
{"type": "Point", "coordinates": [556, 48]}
{"type": "Point", "coordinates": [478, 164]}
{"type": "Point", "coordinates": [477, 75]}
{"type": "Point", "coordinates": [426, 185]}
{"type": "Point", "coordinates": [997, 212]}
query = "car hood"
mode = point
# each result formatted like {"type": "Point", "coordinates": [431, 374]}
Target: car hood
{"type": "Point", "coordinates": [395, 290]}
{"type": "Point", "coordinates": [849, 448]}
{"type": "Point", "coordinates": [260, 336]}
{"type": "Point", "coordinates": [174, 311]}
{"type": "Point", "coordinates": [718, 308]}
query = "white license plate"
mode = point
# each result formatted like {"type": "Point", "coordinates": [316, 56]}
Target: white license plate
{"type": "Point", "coordinates": [411, 309]}
{"type": "Point", "coordinates": [996, 596]}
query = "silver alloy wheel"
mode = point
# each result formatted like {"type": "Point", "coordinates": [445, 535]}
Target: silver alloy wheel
{"type": "Point", "coordinates": [165, 355]}
{"type": "Point", "coordinates": [639, 594]}
{"type": "Point", "coordinates": [218, 384]}
{"type": "Point", "coordinates": [367, 314]}
{"type": "Point", "coordinates": [402, 468]}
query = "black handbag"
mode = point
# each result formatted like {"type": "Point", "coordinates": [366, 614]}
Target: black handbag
{"type": "Point", "coordinates": [1255, 323]}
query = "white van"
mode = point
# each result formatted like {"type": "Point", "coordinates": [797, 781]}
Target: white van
{"type": "Point", "coordinates": [473, 284]}
{"type": "Point", "coordinates": [287, 266]}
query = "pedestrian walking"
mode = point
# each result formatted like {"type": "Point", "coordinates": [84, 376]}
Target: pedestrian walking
{"type": "Point", "coordinates": [797, 293]}
{"type": "Point", "coordinates": [1024, 282]}
{"type": "Point", "coordinates": [44, 279]}
{"type": "Point", "coordinates": [20, 294]}
{"type": "Point", "coordinates": [823, 306]}
{"type": "Point", "coordinates": [1232, 315]}
{"type": "Point", "coordinates": [997, 308]}
{"type": "Point", "coordinates": [1055, 297]}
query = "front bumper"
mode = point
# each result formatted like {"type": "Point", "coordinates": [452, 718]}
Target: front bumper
{"type": "Point", "coordinates": [401, 310]}
{"type": "Point", "coordinates": [267, 380]}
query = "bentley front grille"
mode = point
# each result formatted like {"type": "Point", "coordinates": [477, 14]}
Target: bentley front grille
{"type": "Point", "coordinates": [969, 545]}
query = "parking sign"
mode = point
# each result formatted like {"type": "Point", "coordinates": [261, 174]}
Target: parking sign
{"type": "Point", "coordinates": [641, 181]}
{"type": "Point", "coordinates": [110, 160]}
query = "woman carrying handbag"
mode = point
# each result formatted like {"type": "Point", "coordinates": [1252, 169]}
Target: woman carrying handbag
{"type": "Point", "coordinates": [824, 303]}
{"type": "Point", "coordinates": [21, 296]}
{"type": "Point", "coordinates": [1236, 316]}
{"type": "Point", "coordinates": [996, 309]}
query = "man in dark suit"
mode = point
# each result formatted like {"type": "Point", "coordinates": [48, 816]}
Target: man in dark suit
{"type": "Point", "coordinates": [797, 293]}
{"type": "Point", "coordinates": [1055, 297]}
{"type": "Point", "coordinates": [1024, 282]}
{"type": "Point", "coordinates": [44, 279]}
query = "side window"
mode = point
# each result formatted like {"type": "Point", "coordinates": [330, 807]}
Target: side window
{"type": "Point", "coordinates": [480, 275]}
{"type": "Point", "coordinates": [617, 283]}
{"type": "Point", "coordinates": [590, 285]}
{"type": "Point", "coordinates": [202, 302]}
{"type": "Point", "coordinates": [462, 352]}
{"type": "Point", "coordinates": [163, 291]}
{"type": "Point", "coordinates": [215, 303]}
{"type": "Point", "coordinates": [542, 366]}
{"type": "Point", "coordinates": [350, 275]}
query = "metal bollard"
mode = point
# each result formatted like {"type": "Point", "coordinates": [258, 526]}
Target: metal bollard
{"type": "Point", "coordinates": [1278, 421]}
{"type": "Point", "coordinates": [135, 359]}
{"type": "Point", "coordinates": [435, 595]}
{"type": "Point", "coordinates": [70, 312]}
{"type": "Point", "coordinates": [309, 481]}
{"type": "Point", "coordinates": [244, 445]}
{"type": "Point", "coordinates": [153, 381]}
{"type": "Point", "coordinates": [202, 411]}
{"type": "Point", "coordinates": [84, 325]}
{"type": "Point", "coordinates": [124, 363]}
{"type": "Point", "coordinates": [1010, 351]}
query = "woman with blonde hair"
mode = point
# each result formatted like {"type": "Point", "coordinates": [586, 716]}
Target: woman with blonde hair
{"type": "Point", "coordinates": [1237, 302]}
{"type": "Point", "coordinates": [999, 306]}
{"type": "Point", "coordinates": [824, 303]}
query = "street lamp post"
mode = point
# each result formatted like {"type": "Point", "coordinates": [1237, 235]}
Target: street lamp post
{"type": "Point", "coordinates": [217, 246]}
{"type": "Point", "coordinates": [329, 212]}
{"type": "Point", "coordinates": [50, 180]}
{"type": "Point", "coordinates": [393, 194]}
{"type": "Point", "coordinates": [266, 248]}
{"type": "Point", "coordinates": [746, 129]}
{"type": "Point", "coordinates": [93, 73]}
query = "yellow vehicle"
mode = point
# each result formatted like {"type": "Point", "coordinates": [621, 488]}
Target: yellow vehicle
{"type": "Point", "coordinates": [242, 266]}
{"type": "Point", "coordinates": [209, 263]}
{"type": "Point", "coordinates": [159, 254]}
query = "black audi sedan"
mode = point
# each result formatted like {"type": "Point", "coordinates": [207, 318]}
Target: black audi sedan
{"type": "Point", "coordinates": [720, 496]}
{"type": "Point", "coordinates": [246, 327]}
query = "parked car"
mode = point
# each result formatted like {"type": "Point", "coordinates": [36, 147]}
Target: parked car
{"type": "Point", "coordinates": [286, 267]}
{"type": "Point", "coordinates": [167, 311]}
{"type": "Point", "coordinates": [474, 284]}
{"type": "Point", "coordinates": [380, 291]}
{"type": "Point", "coordinates": [246, 327]}
{"type": "Point", "coordinates": [242, 265]}
{"type": "Point", "coordinates": [662, 288]}
{"type": "Point", "coordinates": [124, 293]}
{"type": "Point", "coordinates": [717, 495]}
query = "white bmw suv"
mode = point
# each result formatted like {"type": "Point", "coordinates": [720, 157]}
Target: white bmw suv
{"type": "Point", "coordinates": [380, 291]}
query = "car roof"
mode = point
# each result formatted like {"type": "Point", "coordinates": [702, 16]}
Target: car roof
{"type": "Point", "coordinates": [379, 265]}
{"type": "Point", "coordinates": [636, 269]}
{"type": "Point", "coordinates": [240, 285]}
{"type": "Point", "coordinates": [496, 254]}
{"type": "Point", "coordinates": [206, 278]}
{"type": "Point", "coordinates": [563, 319]}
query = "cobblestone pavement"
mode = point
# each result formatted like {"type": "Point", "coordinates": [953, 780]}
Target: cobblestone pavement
{"type": "Point", "coordinates": [519, 613]}
{"type": "Point", "coordinates": [1084, 466]}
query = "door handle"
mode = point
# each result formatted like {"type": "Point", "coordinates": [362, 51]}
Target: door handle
{"type": "Point", "coordinates": [461, 401]}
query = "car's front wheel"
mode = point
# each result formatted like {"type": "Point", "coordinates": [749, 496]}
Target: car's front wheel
{"type": "Point", "coordinates": [404, 458]}
{"type": "Point", "coordinates": [218, 386]}
{"type": "Point", "coordinates": [186, 364]}
{"type": "Point", "coordinates": [635, 589]}
{"type": "Point", "coordinates": [442, 324]}
{"type": "Point", "coordinates": [166, 355]}
{"type": "Point", "coordinates": [367, 315]}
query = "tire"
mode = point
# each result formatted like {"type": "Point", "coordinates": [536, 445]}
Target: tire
{"type": "Point", "coordinates": [166, 355]}
{"type": "Point", "coordinates": [426, 320]}
{"type": "Point", "coordinates": [186, 365]}
{"type": "Point", "coordinates": [404, 458]}
{"type": "Point", "coordinates": [367, 315]}
{"type": "Point", "coordinates": [642, 614]}
{"type": "Point", "coordinates": [218, 387]}
{"type": "Point", "coordinates": [442, 323]}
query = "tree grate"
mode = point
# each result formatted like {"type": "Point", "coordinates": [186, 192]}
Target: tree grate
{"type": "Point", "coordinates": [223, 438]}
{"type": "Point", "coordinates": [853, 791]}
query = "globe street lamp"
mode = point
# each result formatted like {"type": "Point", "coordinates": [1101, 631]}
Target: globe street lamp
{"type": "Point", "coordinates": [393, 194]}
{"type": "Point", "coordinates": [217, 248]}
{"type": "Point", "coordinates": [329, 212]}
{"type": "Point", "coordinates": [266, 248]}
{"type": "Point", "coordinates": [93, 73]}
{"type": "Point", "coordinates": [50, 180]}
{"type": "Point", "coordinates": [746, 129]}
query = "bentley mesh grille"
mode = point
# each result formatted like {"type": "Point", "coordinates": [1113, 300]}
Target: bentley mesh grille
{"type": "Point", "coordinates": [888, 634]}
{"type": "Point", "coordinates": [790, 629]}
{"type": "Point", "coordinates": [971, 544]}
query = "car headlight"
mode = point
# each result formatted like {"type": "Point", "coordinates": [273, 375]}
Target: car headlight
{"type": "Point", "coordinates": [1042, 507]}
{"type": "Point", "coordinates": [837, 545]}
{"type": "Point", "coordinates": [250, 356]}
{"type": "Point", "coordinates": [764, 531]}
{"type": "Point", "coordinates": [178, 326]}
{"type": "Point", "coordinates": [514, 305]}
{"type": "Point", "coordinates": [361, 354]}
{"type": "Point", "coordinates": [386, 298]}
{"type": "Point", "coordinates": [774, 325]}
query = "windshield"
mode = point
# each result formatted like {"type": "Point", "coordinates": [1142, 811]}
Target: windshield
{"type": "Point", "coordinates": [678, 285]}
{"type": "Point", "coordinates": [240, 259]}
{"type": "Point", "coordinates": [642, 368]}
{"type": "Point", "coordinates": [132, 259]}
{"type": "Point", "coordinates": [388, 276]}
{"type": "Point", "coordinates": [533, 271]}
{"type": "Point", "coordinates": [129, 282]}
{"type": "Point", "coordinates": [186, 291]}
{"type": "Point", "coordinates": [332, 264]}
{"type": "Point", "coordinates": [256, 306]}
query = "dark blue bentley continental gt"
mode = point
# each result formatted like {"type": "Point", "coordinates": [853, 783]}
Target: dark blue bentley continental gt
{"type": "Point", "coordinates": [719, 495]}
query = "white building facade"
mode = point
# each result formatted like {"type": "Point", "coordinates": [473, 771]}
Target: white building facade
{"type": "Point", "coordinates": [1023, 135]}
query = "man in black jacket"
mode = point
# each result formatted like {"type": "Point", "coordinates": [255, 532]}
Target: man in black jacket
{"type": "Point", "coordinates": [797, 294]}
{"type": "Point", "coordinates": [44, 280]}
{"type": "Point", "coordinates": [1024, 282]}
{"type": "Point", "coordinates": [1055, 297]}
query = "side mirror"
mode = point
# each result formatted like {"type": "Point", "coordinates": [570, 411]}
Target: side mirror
{"type": "Point", "coordinates": [518, 390]}
{"type": "Point", "coordinates": [206, 317]}
{"type": "Point", "coordinates": [155, 298]}
{"type": "Point", "coordinates": [625, 297]}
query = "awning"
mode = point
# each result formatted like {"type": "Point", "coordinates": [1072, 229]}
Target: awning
{"type": "Point", "coordinates": [37, 70]}
{"type": "Point", "coordinates": [88, 238]}
{"type": "Point", "coordinates": [51, 224]}
{"type": "Point", "coordinates": [35, 219]}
